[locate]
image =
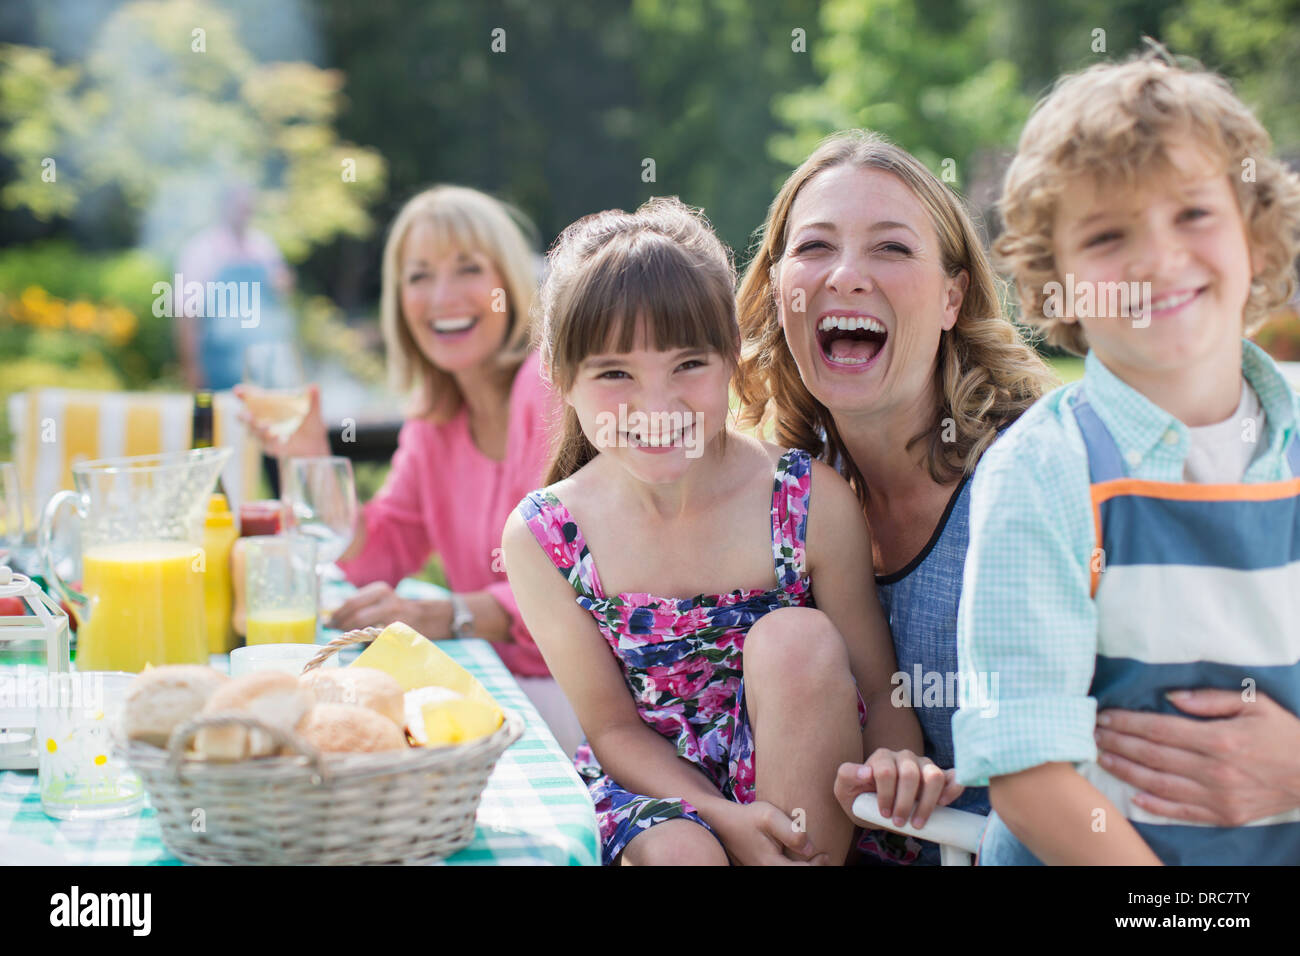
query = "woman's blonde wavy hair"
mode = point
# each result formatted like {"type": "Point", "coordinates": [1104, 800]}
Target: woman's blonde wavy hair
{"type": "Point", "coordinates": [467, 219]}
{"type": "Point", "coordinates": [985, 374]}
{"type": "Point", "coordinates": [1115, 124]}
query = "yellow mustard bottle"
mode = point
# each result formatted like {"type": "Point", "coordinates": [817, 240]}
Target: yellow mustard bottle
{"type": "Point", "coordinates": [219, 534]}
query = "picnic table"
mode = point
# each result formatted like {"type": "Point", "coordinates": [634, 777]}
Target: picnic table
{"type": "Point", "coordinates": [535, 810]}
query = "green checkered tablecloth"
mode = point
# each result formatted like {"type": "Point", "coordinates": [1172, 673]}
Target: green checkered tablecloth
{"type": "Point", "coordinates": [535, 810]}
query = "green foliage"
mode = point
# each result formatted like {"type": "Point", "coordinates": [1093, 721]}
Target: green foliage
{"type": "Point", "coordinates": [561, 121]}
{"type": "Point", "coordinates": [69, 318]}
{"type": "Point", "coordinates": [1256, 43]}
{"type": "Point", "coordinates": [169, 104]}
{"type": "Point", "coordinates": [706, 75]}
{"type": "Point", "coordinates": [47, 289]}
{"type": "Point", "coordinates": [956, 78]}
{"type": "Point", "coordinates": [922, 74]}
{"type": "Point", "coordinates": [323, 333]}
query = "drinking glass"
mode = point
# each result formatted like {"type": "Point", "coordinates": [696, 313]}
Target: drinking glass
{"type": "Point", "coordinates": [320, 501]}
{"type": "Point", "coordinates": [11, 511]}
{"type": "Point", "coordinates": [276, 394]}
{"type": "Point", "coordinates": [289, 658]}
{"type": "Point", "coordinates": [281, 589]}
{"type": "Point", "coordinates": [80, 775]}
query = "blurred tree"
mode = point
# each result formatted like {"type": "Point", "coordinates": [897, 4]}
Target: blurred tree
{"type": "Point", "coordinates": [168, 104]}
{"type": "Point", "coordinates": [504, 95]}
{"type": "Point", "coordinates": [955, 79]}
{"type": "Point", "coordinates": [558, 111]}
{"type": "Point", "coordinates": [1047, 39]}
{"type": "Point", "coordinates": [919, 72]}
{"type": "Point", "coordinates": [707, 74]}
{"type": "Point", "coordinates": [1257, 44]}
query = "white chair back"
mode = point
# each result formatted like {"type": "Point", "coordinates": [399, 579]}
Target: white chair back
{"type": "Point", "coordinates": [54, 428]}
{"type": "Point", "coordinates": [957, 832]}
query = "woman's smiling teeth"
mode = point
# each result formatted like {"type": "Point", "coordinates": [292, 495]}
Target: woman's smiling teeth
{"type": "Point", "coordinates": [451, 326]}
{"type": "Point", "coordinates": [848, 340]}
{"type": "Point", "coordinates": [848, 323]}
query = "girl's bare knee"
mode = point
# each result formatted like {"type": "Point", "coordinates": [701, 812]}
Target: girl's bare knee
{"type": "Point", "coordinates": [793, 645]}
{"type": "Point", "coordinates": [674, 843]}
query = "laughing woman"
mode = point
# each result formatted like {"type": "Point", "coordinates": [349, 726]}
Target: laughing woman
{"type": "Point", "coordinates": [874, 338]}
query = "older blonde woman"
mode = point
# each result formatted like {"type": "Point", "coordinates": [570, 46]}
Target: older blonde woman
{"type": "Point", "coordinates": [459, 280]}
{"type": "Point", "coordinates": [874, 338]}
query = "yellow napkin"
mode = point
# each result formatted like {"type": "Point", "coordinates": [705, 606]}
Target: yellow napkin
{"type": "Point", "coordinates": [415, 661]}
{"type": "Point", "coordinates": [458, 721]}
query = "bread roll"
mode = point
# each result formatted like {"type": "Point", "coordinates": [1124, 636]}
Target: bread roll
{"type": "Point", "coordinates": [274, 697]}
{"type": "Point", "coordinates": [363, 686]}
{"type": "Point", "coordinates": [161, 699]}
{"type": "Point", "coordinates": [350, 728]}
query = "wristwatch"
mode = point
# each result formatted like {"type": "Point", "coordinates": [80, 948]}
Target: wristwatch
{"type": "Point", "coordinates": [462, 618]}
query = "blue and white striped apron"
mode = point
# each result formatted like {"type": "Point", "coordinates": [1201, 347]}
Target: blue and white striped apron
{"type": "Point", "coordinates": [1198, 586]}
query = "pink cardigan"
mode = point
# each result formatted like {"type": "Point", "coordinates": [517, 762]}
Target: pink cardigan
{"type": "Point", "coordinates": [444, 496]}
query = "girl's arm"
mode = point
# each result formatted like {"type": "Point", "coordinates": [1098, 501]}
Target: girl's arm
{"type": "Point", "coordinates": [839, 562]}
{"type": "Point", "coordinates": [640, 759]}
{"type": "Point", "coordinates": [1064, 820]}
{"type": "Point", "coordinates": [906, 783]}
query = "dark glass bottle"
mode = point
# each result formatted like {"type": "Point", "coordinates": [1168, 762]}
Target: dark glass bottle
{"type": "Point", "coordinates": [203, 429]}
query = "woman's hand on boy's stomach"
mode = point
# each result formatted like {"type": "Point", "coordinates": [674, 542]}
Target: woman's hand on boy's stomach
{"type": "Point", "coordinates": [907, 786]}
{"type": "Point", "coordinates": [1240, 765]}
{"type": "Point", "coordinates": [756, 834]}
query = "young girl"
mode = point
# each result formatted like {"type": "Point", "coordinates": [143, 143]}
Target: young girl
{"type": "Point", "coordinates": [677, 694]}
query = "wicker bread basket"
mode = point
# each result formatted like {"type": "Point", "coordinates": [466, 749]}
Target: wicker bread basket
{"type": "Point", "coordinates": [410, 806]}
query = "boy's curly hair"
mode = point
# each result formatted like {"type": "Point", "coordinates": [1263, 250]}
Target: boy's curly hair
{"type": "Point", "coordinates": [1117, 122]}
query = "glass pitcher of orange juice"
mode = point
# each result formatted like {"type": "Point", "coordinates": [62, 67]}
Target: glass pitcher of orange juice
{"type": "Point", "coordinates": [141, 529]}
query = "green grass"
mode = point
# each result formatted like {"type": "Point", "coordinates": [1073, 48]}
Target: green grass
{"type": "Point", "coordinates": [1069, 367]}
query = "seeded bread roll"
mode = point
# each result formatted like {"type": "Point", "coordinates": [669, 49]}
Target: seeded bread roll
{"type": "Point", "coordinates": [350, 728]}
{"type": "Point", "coordinates": [363, 686]}
{"type": "Point", "coordinates": [163, 698]}
{"type": "Point", "coordinates": [274, 697]}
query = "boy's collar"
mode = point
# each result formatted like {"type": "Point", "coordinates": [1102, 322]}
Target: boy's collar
{"type": "Point", "coordinates": [1139, 425]}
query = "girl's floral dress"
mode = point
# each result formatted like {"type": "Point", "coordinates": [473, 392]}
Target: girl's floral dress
{"type": "Point", "coordinates": [681, 658]}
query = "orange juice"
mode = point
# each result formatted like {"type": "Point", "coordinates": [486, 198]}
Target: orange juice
{"type": "Point", "coordinates": [281, 627]}
{"type": "Point", "coordinates": [146, 606]}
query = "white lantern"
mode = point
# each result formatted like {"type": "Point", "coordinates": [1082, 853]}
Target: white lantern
{"type": "Point", "coordinates": [32, 647]}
